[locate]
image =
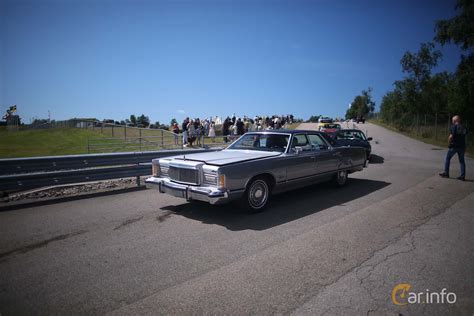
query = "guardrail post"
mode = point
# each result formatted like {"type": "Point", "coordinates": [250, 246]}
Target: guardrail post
{"type": "Point", "coordinates": [140, 138]}
{"type": "Point", "coordinates": [138, 181]}
{"type": "Point", "coordinates": [112, 131]}
{"type": "Point", "coordinates": [125, 132]}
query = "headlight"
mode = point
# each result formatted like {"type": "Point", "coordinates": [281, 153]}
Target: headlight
{"type": "Point", "coordinates": [163, 170]}
{"type": "Point", "coordinates": [210, 176]}
{"type": "Point", "coordinates": [159, 170]}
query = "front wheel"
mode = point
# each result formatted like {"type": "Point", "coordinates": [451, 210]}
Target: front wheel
{"type": "Point", "coordinates": [256, 196]}
{"type": "Point", "coordinates": [340, 178]}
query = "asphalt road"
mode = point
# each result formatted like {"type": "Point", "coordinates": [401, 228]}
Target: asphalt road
{"type": "Point", "coordinates": [318, 250]}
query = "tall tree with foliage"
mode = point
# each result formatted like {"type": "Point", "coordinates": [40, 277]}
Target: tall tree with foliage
{"type": "Point", "coordinates": [419, 92]}
{"type": "Point", "coordinates": [133, 120]}
{"type": "Point", "coordinates": [362, 105]}
{"type": "Point", "coordinates": [460, 31]}
{"type": "Point", "coordinates": [313, 118]}
{"type": "Point", "coordinates": [143, 120]}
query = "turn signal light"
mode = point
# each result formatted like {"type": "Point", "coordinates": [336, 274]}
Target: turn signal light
{"type": "Point", "coordinates": [221, 181]}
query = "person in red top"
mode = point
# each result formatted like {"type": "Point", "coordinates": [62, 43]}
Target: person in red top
{"type": "Point", "coordinates": [176, 132]}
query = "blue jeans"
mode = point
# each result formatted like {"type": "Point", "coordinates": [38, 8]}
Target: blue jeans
{"type": "Point", "coordinates": [185, 137]}
{"type": "Point", "coordinates": [451, 152]}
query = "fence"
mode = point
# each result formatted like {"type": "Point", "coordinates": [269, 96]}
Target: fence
{"type": "Point", "coordinates": [27, 173]}
{"type": "Point", "coordinates": [125, 138]}
{"type": "Point", "coordinates": [122, 138]}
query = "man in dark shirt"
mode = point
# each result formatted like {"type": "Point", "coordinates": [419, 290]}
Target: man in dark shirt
{"type": "Point", "coordinates": [240, 127]}
{"type": "Point", "coordinates": [457, 145]}
{"type": "Point", "coordinates": [184, 127]}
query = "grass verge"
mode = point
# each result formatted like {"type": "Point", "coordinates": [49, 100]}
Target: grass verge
{"type": "Point", "coordinates": [425, 134]}
{"type": "Point", "coordinates": [44, 142]}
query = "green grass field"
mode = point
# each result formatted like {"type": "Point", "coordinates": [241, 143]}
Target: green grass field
{"type": "Point", "coordinates": [44, 142]}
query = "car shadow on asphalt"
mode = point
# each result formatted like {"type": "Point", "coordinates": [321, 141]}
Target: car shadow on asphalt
{"type": "Point", "coordinates": [282, 209]}
{"type": "Point", "coordinates": [376, 159]}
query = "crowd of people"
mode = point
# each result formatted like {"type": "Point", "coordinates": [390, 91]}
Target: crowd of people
{"type": "Point", "coordinates": [193, 130]}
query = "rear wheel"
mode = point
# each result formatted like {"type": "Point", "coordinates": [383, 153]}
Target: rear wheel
{"type": "Point", "coordinates": [340, 178]}
{"type": "Point", "coordinates": [257, 195]}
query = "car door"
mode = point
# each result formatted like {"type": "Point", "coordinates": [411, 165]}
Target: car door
{"type": "Point", "coordinates": [301, 164]}
{"type": "Point", "coordinates": [326, 157]}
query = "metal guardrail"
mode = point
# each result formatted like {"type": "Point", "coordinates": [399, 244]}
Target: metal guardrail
{"type": "Point", "coordinates": [28, 173]}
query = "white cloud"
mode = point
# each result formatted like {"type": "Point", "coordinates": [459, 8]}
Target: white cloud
{"type": "Point", "coordinates": [181, 112]}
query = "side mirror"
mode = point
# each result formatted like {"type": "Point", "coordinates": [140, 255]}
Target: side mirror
{"type": "Point", "coordinates": [369, 139]}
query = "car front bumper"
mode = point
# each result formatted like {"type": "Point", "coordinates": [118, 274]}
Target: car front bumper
{"type": "Point", "coordinates": [211, 195]}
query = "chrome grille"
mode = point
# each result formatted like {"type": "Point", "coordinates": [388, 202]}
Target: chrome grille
{"type": "Point", "coordinates": [184, 175]}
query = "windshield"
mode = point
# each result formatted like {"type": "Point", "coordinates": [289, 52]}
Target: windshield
{"type": "Point", "coordinates": [350, 135]}
{"type": "Point", "coordinates": [262, 142]}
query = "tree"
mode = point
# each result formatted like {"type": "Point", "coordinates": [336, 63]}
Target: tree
{"type": "Point", "coordinates": [133, 120]}
{"type": "Point", "coordinates": [418, 65]}
{"type": "Point", "coordinates": [419, 92]}
{"type": "Point", "coordinates": [461, 98]}
{"type": "Point", "coordinates": [161, 126]}
{"type": "Point", "coordinates": [362, 105]}
{"type": "Point", "coordinates": [459, 29]}
{"type": "Point", "coordinates": [143, 120]}
{"type": "Point", "coordinates": [422, 92]}
{"type": "Point", "coordinates": [314, 118]}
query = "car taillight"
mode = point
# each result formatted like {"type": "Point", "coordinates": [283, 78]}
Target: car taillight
{"type": "Point", "coordinates": [154, 169]}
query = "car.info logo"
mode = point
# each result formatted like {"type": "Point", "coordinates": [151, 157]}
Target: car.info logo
{"type": "Point", "coordinates": [401, 295]}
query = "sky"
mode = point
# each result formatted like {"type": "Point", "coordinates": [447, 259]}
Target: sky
{"type": "Point", "coordinates": [171, 59]}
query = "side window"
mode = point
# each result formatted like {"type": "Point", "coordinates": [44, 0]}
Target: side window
{"type": "Point", "coordinates": [317, 141]}
{"type": "Point", "coordinates": [300, 141]}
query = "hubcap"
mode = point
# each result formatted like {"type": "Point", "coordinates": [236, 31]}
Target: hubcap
{"type": "Point", "coordinates": [258, 194]}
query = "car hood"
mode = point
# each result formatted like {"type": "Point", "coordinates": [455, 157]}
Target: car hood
{"type": "Point", "coordinates": [228, 156]}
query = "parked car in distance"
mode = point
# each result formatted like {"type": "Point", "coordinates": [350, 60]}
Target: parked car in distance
{"type": "Point", "coordinates": [360, 119]}
{"type": "Point", "coordinates": [351, 137]}
{"type": "Point", "coordinates": [323, 120]}
{"type": "Point", "coordinates": [330, 128]}
{"type": "Point", "coordinates": [255, 166]}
